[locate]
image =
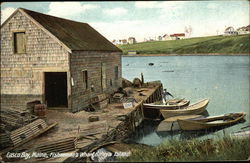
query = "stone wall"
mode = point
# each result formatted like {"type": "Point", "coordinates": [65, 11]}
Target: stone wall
{"type": "Point", "coordinates": [92, 61]}
{"type": "Point", "coordinates": [22, 75]}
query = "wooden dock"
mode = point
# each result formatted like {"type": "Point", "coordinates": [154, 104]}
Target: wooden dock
{"type": "Point", "coordinates": [114, 123]}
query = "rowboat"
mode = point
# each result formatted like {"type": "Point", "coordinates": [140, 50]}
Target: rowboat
{"type": "Point", "coordinates": [196, 108]}
{"type": "Point", "coordinates": [152, 110]}
{"type": "Point", "coordinates": [186, 117]}
{"type": "Point", "coordinates": [170, 104]}
{"type": "Point", "coordinates": [170, 124]}
{"type": "Point", "coordinates": [210, 122]}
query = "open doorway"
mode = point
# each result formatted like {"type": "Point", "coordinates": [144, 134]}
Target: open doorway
{"type": "Point", "coordinates": [56, 89]}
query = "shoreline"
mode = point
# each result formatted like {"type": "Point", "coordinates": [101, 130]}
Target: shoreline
{"type": "Point", "coordinates": [201, 54]}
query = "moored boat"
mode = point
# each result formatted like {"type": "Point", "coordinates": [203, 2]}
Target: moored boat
{"type": "Point", "coordinates": [152, 110]}
{"type": "Point", "coordinates": [170, 124]}
{"type": "Point", "coordinates": [171, 104]}
{"type": "Point", "coordinates": [196, 108]}
{"type": "Point", "coordinates": [210, 122]}
{"type": "Point", "coordinates": [175, 118]}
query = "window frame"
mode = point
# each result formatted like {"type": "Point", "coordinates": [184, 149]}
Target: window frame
{"type": "Point", "coordinates": [85, 79]}
{"type": "Point", "coordinates": [116, 72]}
{"type": "Point", "coordinates": [14, 41]}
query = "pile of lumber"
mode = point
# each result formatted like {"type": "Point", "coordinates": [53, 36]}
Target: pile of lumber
{"type": "Point", "coordinates": [58, 146]}
{"type": "Point", "coordinates": [99, 127]}
{"type": "Point", "coordinates": [27, 131]}
{"type": "Point", "coordinates": [12, 119]}
{"type": "Point", "coordinates": [24, 134]}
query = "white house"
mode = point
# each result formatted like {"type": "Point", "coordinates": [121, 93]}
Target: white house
{"type": "Point", "coordinates": [230, 31]}
{"type": "Point", "coordinates": [131, 40]}
{"type": "Point", "coordinates": [115, 42]}
{"type": "Point", "coordinates": [124, 41]}
{"type": "Point", "coordinates": [243, 30]}
{"type": "Point", "coordinates": [166, 37]}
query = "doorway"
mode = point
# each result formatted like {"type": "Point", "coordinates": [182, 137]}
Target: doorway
{"type": "Point", "coordinates": [56, 89]}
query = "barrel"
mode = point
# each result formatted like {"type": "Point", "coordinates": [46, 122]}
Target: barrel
{"type": "Point", "coordinates": [40, 110]}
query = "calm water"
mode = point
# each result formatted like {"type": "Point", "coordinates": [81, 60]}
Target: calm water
{"type": "Point", "coordinates": [222, 79]}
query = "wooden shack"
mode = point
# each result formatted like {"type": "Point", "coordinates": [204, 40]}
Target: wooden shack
{"type": "Point", "coordinates": [60, 62]}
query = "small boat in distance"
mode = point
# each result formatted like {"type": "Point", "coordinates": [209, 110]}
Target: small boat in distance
{"type": "Point", "coordinates": [196, 108]}
{"type": "Point", "coordinates": [210, 122]}
{"type": "Point", "coordinates": [170, 104]}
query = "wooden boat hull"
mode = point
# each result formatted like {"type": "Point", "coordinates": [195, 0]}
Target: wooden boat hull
{"type": "Point", "coordinates": [196, 108]}
{"type": "Point", "coordinates": [171, 124]}
{"type": "Point", "coordinates": [210, 122]}
{"type": "Point", "coordinates": [152, 111]}
{"type": "Point", "coordinates": [175, 118]}
{"type": "Point", "coordinates": [179, 105]}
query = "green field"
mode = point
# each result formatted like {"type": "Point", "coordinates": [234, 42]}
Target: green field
{"type": "Point", "coordinates": [203, 45]}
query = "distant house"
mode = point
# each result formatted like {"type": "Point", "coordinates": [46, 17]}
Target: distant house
{"type": "Point", "coordinates": [248, 28]}
{"type": "Point", "coordinates": [131, 40]}
{"type": "Point", "coordinates": [60, 62]}
{"type": "Point", "coordinates": [230, 31]}
{"type": "Point", "coordinates": [243, 30]}
{"type": "Point", "coordinates": [166, 37]}
{"type": "Point", "coordinates": [122, 42]}
{"type": "Point", "coordinates": [115, 42]}
{"type": "Point", "coordinates": [177, 36]}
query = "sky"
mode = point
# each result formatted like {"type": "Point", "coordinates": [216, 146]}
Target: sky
{"type": "Point", "coordinates": [144, 19]}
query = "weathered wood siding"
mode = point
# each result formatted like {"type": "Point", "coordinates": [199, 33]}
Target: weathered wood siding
{"type": "Point", "coordinates": [22, 78]}
{"type": "Point", "coordinates": [92, 62]}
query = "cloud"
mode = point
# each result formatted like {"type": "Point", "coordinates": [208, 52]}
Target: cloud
{"type": "Point", "coordinates": [5, 13]}
{"type": "Point", "coordinates": [115, 11]}
{"type": "Point", "coordinates": [69, 9]}
{"type": "Point", "coordinates": [162, 5]}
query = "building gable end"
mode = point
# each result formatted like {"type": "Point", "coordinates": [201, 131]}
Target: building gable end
{"type": "Point", "coordinates": [39, 26]}
{"type": "Point", "coordinates": [46, 31]}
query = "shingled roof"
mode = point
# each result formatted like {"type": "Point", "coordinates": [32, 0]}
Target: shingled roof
{"type": "Point", "coordinates": [75, 35]}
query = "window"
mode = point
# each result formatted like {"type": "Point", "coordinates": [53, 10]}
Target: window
{"type": "Point", "coordinates": [111, 83]}
{"type": "Point", "coordinates": [85, 78]}
{"type": "Point", "coordinates": [104, 76]}
{"type": "Point", "coordinates": [19, 42]}
{"type": "Point", "coordinates": [116, 72]}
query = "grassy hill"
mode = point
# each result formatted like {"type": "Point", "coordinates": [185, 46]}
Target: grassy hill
{"type": "Point", "coordinates": [214, 44]}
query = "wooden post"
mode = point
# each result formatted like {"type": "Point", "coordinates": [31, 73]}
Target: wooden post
{"type": "Point", "coordinates": [142, 78]}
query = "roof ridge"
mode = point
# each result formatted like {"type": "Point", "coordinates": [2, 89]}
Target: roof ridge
{"type": "Point", "coordinates": [51, 16]}
{"type": "Point", "coordinates": [70, 34]}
